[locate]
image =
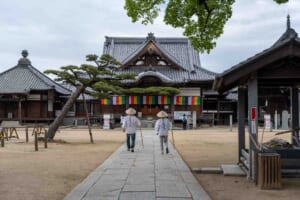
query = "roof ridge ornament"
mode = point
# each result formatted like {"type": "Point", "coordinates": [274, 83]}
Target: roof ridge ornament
{"type": "Point", "coordinates": [24, 53]}
{"type": "Point", "coordinates": [288, 22]}
{"type": "Point", "coordinates": [151, 37]}
{"type": "Point", "coordinates": [24, 60]}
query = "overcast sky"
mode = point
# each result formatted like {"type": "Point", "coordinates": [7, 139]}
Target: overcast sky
{"type": "Point", "coordinates": [61, 32]}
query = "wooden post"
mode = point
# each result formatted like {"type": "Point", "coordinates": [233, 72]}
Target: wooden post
{"type": "Point", "coordinates": [45, 139]}
{"type": "Point", "coordinates": [26, 133]}
{"type": "Point", "coordinates": [252, 103]}
{"type": "Point", "coordinates": [295, 115]}
{"type": "Point", "coordinates": [230, 122]}
{"type": "Point", "coordinates": [2, 139]}
{"type": "Point", "coordinates": [241, 120]}
{"type": "Point", "coordinates": [275, 120]}
{"type": "Point", "coordinates": [20, 110]}
{"type": "Point", "coordinates": [172, 108]}
{"type": "Point", "coordinates": [36, 147]}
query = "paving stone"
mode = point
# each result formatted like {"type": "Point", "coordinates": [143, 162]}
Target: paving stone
{"type": "Point", "coordinates": [166, 198]}
{"type": "Point", "coordinates": [171, 189]}
{"type": "Point", "coordinates": [197, 191]}
{"type": "Point", "coordinates": [137, 196]}
{"type": "Point", "coordinates": [232, 170]}
{"type": "Point", "coordinates": [211, 170]}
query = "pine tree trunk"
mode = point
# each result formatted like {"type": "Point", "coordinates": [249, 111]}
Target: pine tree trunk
{"type": "Point", "coordinates": [88, 119]}
{"type": "Point", "coordinates": [58, 120]}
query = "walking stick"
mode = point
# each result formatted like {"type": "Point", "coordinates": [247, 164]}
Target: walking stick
{"type": "Point", "coordinates": [173, 137]}
{"type": "Point", "coordinates": [142, 137]}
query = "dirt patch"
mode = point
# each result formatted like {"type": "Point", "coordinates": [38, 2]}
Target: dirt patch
{"type": "Point", "coordinates": [211, 147]}
{"type": "Point", "coordinates": [52, 173]}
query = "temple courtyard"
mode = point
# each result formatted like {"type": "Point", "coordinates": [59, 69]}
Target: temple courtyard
{"type": "Point", "coordinates": [52, 173]}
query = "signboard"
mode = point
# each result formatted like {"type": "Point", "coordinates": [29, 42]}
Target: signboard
{"type": "Point", "coordinates": [267, 122]}
{"type": "Point", "coordinates": [178, 115]}
{"type": "Point", "coordinates": [106, 120]}
{"type": "Point", "coordinates": [253, 120]}
{"type": "Point", "coordinates": [253, 127]}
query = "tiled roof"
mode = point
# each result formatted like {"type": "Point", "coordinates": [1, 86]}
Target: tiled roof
{"type": "Point", "coordinates": [86, 96]}
{"type": "Point", "coordinates": [168, 74]}
{"type": "Point", "coordinates": [178, 50]}
{"type": "Point", "coordinates": [289, 35]}
{"type": "Point", "coordinates": [24, 78]}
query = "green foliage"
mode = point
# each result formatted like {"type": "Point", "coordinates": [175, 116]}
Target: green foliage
{"type": "Point", "coordinates": [153, 91]}
{"type": "Point", "coordinates": [281, 1]}
{"type": "Point", "coordinates": [143, 9]}
{"type": "Point", "coordinates": [203, 21]}
{"type": "Point", "coordinates": [102, 77]}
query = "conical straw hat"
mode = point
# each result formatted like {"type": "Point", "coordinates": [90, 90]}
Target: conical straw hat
{"type": "Point", "coordinates": [162, 114]}
{"type": "Point", "coordinates": [130, 111]}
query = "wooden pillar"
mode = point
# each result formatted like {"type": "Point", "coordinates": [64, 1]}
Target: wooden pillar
{"type": "Point", "coordinates": [45, 140]}
{"type": "Point", "coordinates": [218, 111]}
{"type": "Point", "coordinates": [126, 102]}
{"type": "Point", "coordinates": [172, 108]}
{"type": "Point", "coordinates": [295, 115]}
{"type": "Point", "coordinates": [252, 103]}
{"type": "Point", "coordinates": [201, 101]}
{"type": "Point", "coordinates": [20, 111]}
{"type": "Point", "coordinates": [241, 120]}
{"type": "Point", "coordinates": [26, 133]}
{"type": "Point", "coordinates": [36, 146]}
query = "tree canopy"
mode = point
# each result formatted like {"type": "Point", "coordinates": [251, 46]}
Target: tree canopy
{"type": "Point", "coordinates": [203, 21]}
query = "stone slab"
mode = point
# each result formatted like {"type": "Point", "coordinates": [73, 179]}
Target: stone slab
{"type": "Point", "coordinates": [208, 170]}
{"type": "Point", "coordinates": [137, 195]}
{"type": "Point", "coordinates": [232, 170]}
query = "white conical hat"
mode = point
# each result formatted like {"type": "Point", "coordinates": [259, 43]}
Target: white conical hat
{"type": "Point", "coordinates": [130, 111]}
{"type": "Point", "coordinates": [162, 114]}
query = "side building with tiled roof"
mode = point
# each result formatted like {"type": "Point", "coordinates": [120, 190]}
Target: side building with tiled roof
{"type": "Point", "coordinates": [28, 95]}
{"type": "Point", "coordinates": [159, 61]}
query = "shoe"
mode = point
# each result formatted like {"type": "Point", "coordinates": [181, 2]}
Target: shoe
{"type": "Point", "coordinates": [167, 150]}
{"type": "Point", "coordinates": [162, 153]}
{"type": "Point", "coordinates": [128, 149]}
{"type": "Point", "coordinates": [132, 150]}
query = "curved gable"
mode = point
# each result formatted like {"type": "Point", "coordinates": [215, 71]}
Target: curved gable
{"type": "Point", "coordinates": [151, 54]}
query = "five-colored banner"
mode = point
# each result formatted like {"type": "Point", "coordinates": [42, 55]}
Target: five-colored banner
{"type": "Point", "coordinates": [150, 100]}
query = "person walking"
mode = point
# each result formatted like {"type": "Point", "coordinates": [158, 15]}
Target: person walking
{"type": "Point", "coordinates": [130, 123]}
{"type": "Point", "coordinates": [162, 127]}
{"type": "Point", "coordinates": [184, 122]}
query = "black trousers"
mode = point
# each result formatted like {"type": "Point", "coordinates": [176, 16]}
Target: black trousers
{"type": "Point", "coordinates": [130, 140]}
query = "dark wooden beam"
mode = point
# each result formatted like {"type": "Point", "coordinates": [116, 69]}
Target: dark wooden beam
{"type": "Point", "coordinates": [295, 115]}
{"type": "Point", "coordinates": [241, 120]}
{"type": "Point", "coordinates": [252, 103]}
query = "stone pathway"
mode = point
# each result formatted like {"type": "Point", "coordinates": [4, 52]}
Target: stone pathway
{"type": "Point", "coordinates": [145, 174]}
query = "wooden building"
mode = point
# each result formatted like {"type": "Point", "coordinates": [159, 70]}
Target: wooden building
{"type": "Point", "coordinates": [163, 62]}
{"type": "Point", "coordinates": [268, 82]}
{"type": "Point", "coordinates": [28, 95]}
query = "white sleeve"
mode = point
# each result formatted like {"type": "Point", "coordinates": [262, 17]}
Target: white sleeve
{"type": "Point", "coordinates": [156, 128]}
